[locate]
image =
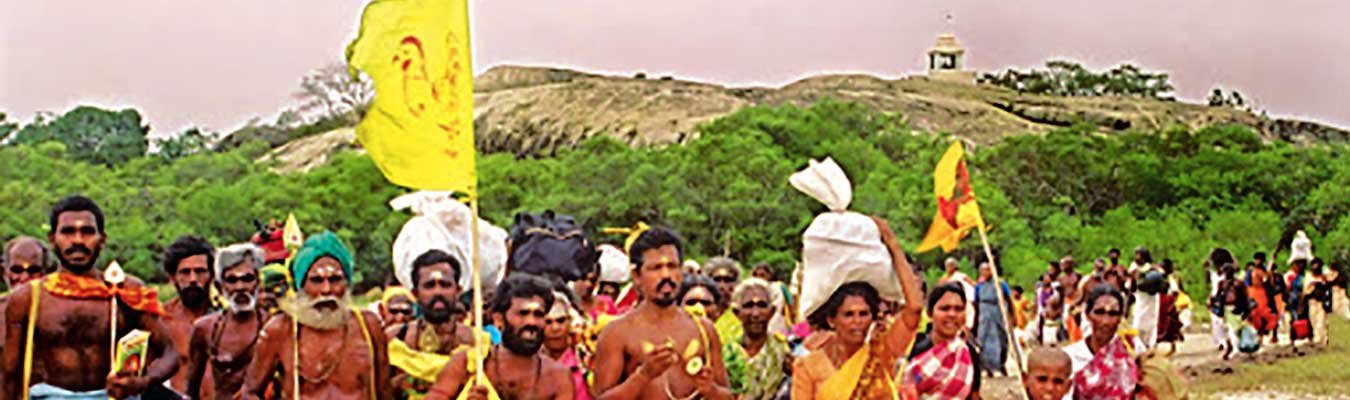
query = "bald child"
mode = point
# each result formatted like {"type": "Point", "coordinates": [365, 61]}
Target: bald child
{"type": "Point", "coordinates": [1048, 374]}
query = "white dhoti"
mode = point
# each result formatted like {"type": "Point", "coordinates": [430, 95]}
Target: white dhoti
{"type": "Point", "coordinates": [1146, 318]}
{"type": "Point", "coordinates": [44, 391]}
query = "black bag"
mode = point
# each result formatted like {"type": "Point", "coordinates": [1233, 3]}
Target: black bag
{"type": "Point", "coordinates": [548, 244]}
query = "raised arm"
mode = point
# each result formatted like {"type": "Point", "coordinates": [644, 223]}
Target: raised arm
{"type": "Point", "coordinates": [902, 333]}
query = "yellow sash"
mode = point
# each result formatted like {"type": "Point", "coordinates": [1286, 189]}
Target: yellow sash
{"type": "Point", "coordinates": [844, 381]}
{"type": "Point", "coordinates": [473, 376]}
{"type": "Point", "coordinates": [34, 295]}
{"type": "Point", "coordinates": [417, 364]}
{"type": "Point", "coordinates": [361, 320]}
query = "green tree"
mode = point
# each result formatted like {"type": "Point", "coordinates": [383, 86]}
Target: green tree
{"type": "Point", "coordinates": [92, 134]}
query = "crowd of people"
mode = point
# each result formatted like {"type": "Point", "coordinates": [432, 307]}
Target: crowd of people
{"type": "Point", "coordinates": [643, 322]}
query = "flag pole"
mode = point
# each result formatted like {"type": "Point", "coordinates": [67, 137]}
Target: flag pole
{"type": "Point", "coordinates": [998, 290]}
{"type": "Point", "coordinates": [477, 289]}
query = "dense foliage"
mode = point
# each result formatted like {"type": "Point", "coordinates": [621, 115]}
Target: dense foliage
{"type": "Point", "coordinates": [1071, 191]}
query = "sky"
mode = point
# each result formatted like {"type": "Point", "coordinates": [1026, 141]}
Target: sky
{"type": "Point", "coordinates": [216, 64]}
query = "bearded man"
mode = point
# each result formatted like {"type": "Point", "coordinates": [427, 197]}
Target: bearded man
{"type": "Point", "coordinates": [324, 347]}
{"type": "Point", "coordinates": [435, 276]}
{"type": "Point", "coordinates": [188, 263]}
{"type": "Point", "coordinates": [225, 339]}
{"type": "Point", "coordinates": [514, 369]}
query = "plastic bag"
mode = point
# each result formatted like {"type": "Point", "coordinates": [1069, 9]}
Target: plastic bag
{"type": "Point", "coordinates": [1300, 248]}
{"type": "Point", "coordinates": [840, 246]}
{"type": "Point", "coordinates": [442, 223]}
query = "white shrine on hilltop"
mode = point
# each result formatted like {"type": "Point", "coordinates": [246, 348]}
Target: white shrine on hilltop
{"type": "Point", "coordinates": [946, 61]}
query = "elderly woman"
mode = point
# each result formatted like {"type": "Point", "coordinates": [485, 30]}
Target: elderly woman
{"type": "Point", "coordinates": [1104, 362]}
{"type": "Point", "coordinates": [757, 360]}
{"type": "Point", "coordinates": [942, 364]}
{"type": "Point", "coordinates": [852, 356]}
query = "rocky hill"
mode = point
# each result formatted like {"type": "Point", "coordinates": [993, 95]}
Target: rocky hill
{"type": "Point", "coordinates": [534, 111]}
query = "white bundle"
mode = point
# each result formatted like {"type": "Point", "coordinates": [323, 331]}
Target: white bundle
{"type": "Point", "coordinates": [840, 246]}
{"type": "Point", "coordinates": [613, 264]}
{"type": "Point", "coordinates": [442, 223]}
{"type": "Point", "coordinates": [1301, 248]}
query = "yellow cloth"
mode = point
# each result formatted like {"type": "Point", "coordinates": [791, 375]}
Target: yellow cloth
{"type": "Point", "coordinates": [728, 326]}
{"type": "Point", "coordinates": [419, 129]}
{"type": "Point", "coordinates": [842, 384]}
{"type": "Point", "coordinates": [392, 291]}
{"type": "Point", "coordinates": [957, 211]}
{"type": "Point", "coordinates": [474, 355]}
{"type": "Point", "coordinates": [418, 364]}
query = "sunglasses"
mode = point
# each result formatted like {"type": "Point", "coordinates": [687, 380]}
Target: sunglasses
{"type": "Point", "coordinates": [401, 310]}
{"type": "Point", "coordinates": [231, 279]}
{"type": "Point", "coordinates": [724, 279]}
{"type": "Point", "coordinates": [701, 302]}
{"type": "Point", "coordinates": [755, 304]}
{"type": "Point", "coordinates": [31, 270]}
{"type": "Point", "coordinates": [1107, 312]}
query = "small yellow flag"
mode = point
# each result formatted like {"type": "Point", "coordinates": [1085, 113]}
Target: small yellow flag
{"type": "Point", "coordinates": [957, 210]}
{"type": "Point", "coordinates": [419, 129]}
{"type": "Point", "coordinates": [291, 235]}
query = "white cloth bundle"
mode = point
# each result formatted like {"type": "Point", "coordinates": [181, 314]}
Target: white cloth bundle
{"type": "Point", "coordinates": [613, 264]}
{"type": "Point", "coordinates": [840, 246]}
{"type": "Point", "coordinates": [1301, 248]}
{"type": "Point", "coordinates": [442, 223]}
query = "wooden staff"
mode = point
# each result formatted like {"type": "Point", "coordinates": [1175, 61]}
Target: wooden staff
{"type": "Point", "coordinates": [1002, 303]}
{"type": "Point", "coordinates": [477, 288]}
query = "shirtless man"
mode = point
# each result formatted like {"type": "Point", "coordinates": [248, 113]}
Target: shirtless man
{"type": "Point", "coordinates": [71, 338]}
{"type": "Point", "coordinates": [435, 276]}
{"type": "Point", "coordinates": [342, 352]}
{"type": "Point", "coordinates": [188, 263]}
{"type": "Point", "coordinates": [644, 354]}
{"type": "Point", "coordinates": [515, 369]}
{"type": "Point", "coordinates": [225, 339]}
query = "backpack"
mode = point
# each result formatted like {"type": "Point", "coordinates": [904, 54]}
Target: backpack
{"type": "Point", "coordinates": [548, 244]}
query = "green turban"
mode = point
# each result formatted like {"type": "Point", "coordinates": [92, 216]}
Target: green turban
{"type": "Point", "coordinates": [325, 244]}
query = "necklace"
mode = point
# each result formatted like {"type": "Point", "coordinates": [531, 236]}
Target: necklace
{"type": "Point", "coordinates": [326, 368]}
{"type": "Point", "coordinates": [671, 396]}
{"type": "Point", "coordinates": [229, 363]}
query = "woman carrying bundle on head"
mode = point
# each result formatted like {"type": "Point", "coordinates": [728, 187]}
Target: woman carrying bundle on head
{"type": "Point", "coordinates": [853, 353]}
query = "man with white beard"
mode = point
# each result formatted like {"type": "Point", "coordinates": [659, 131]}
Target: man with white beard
{"type": "Point", "coordinates": [225, 339]}
{"type": "Point", "coordinates": [323, 347]}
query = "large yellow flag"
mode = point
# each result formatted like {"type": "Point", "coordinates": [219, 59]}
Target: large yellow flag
{"type": "Point", "coordinates": [957, 211]}
{"type": "Point", "coordinates": [419, 129]}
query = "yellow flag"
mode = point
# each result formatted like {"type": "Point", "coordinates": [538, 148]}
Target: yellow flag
{"type": "Point", "coordinates": [419, 129]}
{"type": "Point", "coordinates": [291, 235]}
{"type": "Point", "coordinates": [957, 210]}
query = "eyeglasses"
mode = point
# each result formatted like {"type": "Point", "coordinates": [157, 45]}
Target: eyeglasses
{"type": "Point", "coordinates": [755, 304]}
{"type": "Point", "coordinates": [31, 270]}
{"type": "Point", "coordinates": [401, 310]}
{"type": "Point", "coordinates": [1107, 312]}
{"type": "Point", "coordinates": [701, 302]}
{"type": "Point", "coordinates": [724, 279]}
{"type": "Point", "coordinates": [231, 279]}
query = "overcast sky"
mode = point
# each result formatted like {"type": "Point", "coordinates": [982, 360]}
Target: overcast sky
{"type": "Point", "coordinates": [218, 63]}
